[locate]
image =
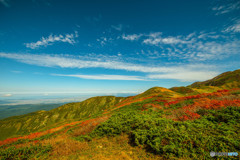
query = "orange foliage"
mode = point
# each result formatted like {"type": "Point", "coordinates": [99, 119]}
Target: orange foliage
{"type": "Point", "coordinates": [201, 101]}
{"type": "Point", "coordinates": [189, 116]}
{"type": "Point", "coordinates": [171, 102]}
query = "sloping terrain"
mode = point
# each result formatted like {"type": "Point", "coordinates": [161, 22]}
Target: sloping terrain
{"type": "Point", "coordinates": [42, 120]}
{"type": "Point", "coordinates": [228, 80]}
{"type": "Point", "coordinates": [160, 123]}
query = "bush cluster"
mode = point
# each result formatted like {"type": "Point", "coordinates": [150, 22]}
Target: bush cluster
{"type": "Point", "coordinates": [28, 152]}
{"type": "Point", "coordinates": [215, 131]}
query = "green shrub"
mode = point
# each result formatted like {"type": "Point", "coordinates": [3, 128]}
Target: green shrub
{"type": "Point", "coordinates": [83, 138]}
{"type": "Point", "coordinates": [216, 131]}
{"type": "Point", "coordinates": [24, 152]}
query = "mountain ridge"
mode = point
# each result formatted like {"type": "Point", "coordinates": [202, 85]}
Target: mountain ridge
{"type": "Point", "coordinates": [93, 106]}
{"type": "Point", "coordinates": [176, 123]}
{"type": "Point", "coordinates": [221, 80]}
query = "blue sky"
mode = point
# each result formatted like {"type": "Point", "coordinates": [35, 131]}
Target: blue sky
{"type": "Point", "coordinates": [117, 46]}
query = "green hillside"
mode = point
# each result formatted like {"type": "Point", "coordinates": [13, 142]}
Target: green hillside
{"type": "Point", "coordinates": [157, 91]}
{"type": "Point", "coordinates": [40, 120]}
{"type": "Point", "coordinates": [229, 79]}
{"type": "Point", "coordinates": [182, 90]}
{"type": "Point", "coordinates": [176, 123]}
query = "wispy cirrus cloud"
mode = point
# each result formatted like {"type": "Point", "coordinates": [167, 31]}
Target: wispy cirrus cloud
{"type": "Point", "coordinates": [72, 62]}
{"type": "Point", "coordinates": [215, 50]}
{"type": "Point", "coordinates": [45, 41]}
{"type": "Point", "coordinates": [188, 76]}
{"type": "Point", "coordinates": [167, 40]}
{"type": "Point", "coordinates": [153, 72]}
{"type": "Point", "coordinates": [134, 37]}
{"type": "Point", "coordinates": [104, 40]}
{"type": "Point", "coordinates": [223, 9]}
{"type": "Point", "coordinates": [131, 37]}
{"type": "Point", "coordinates": [192, 47]}
{"type": "Point", "coordinates": [157, 38]}
{"type": "Point", "coordinates": [235, 27]}
{"type": "Point", "coordinates": [104, 77]}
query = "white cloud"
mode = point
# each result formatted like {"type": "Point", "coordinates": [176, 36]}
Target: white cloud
{"type": "Point", "coordinates": [233, 28]}
{"type": "Point", "coordinates": [194, 46]}
{"type": "Point", "coordinates": [182, 72]}
{"type": "Point", "coordinates": [168, 40]}
{"type": "Point", "coordinates": [131, 37]}
{"type": "Point", "coordinates": [104, 40]}
{"type": "Point", "coordinates": [104, 77]}
{"type": "Point", "coordinates": [118, 27]}
{"type": "Point", "coordinates": [68, 62]}
{"type": "Point", "coordinates": [215, 50]}
{"type": "Point", "coordinates": [222, 9]}
{"type": "Point", "coordinates": [154, 34]}
{"type": "Point", "coordinates": [209, 35]}
{"type": "Point", "coordinates": [134, 37]}
{"type": "Point", "coordinates": [186, 76]}
{"type": "Point", "coordinates": [67, 38]}
{"type": "Point", "coordinates": [5, 3]}
{"type": "Point", "coordinates": [158, 39]}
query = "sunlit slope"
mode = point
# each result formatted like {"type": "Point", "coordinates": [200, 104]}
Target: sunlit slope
{"type": "Point", "coordinates": [183, 90]}
{"type": "Point", "coordinates": [36, 121]}
{"type": "Point", "coordinates": [41, 120]}
{"type": "Point", "coordinates": [151, 94]}
{"type": "Point", "coordinates": [176, 123]}
{"type": "Point", "coordinates": [225, 80]}
{"type": "Point", "coordinates": [158, 91]}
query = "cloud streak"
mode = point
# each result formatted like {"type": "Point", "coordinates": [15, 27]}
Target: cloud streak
{"type": "Point", "coordinates": [223, 9]}
{"type": "Point", "coordinates": [132, 37]}
{"type": "Point", "coordinates": [152, 71]}
{"type": "Point", "coordinates": [104, 77]}
{"type": "Point", "coordinates": [192, 47]}
{"type": "Point", "coordinates": [68, 62]}
{"type": "Point", "coordinates": [45, 41]}
{"type": "Point", "coordinates": [188, 76]}
{"type": "Point", "coordinates": [235, 28]}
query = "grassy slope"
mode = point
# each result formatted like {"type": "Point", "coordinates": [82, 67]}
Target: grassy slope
{"type": "Point", "coordinates": [158, 91]}
{"type": "Point", "coordinates": [226, 80]}
{"type": "Point", "coordinates": [142, 127]}
{"type": "Point", "coordinates": [136, 132]}
{"type": "Point", "coordinates": [40, 120]}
